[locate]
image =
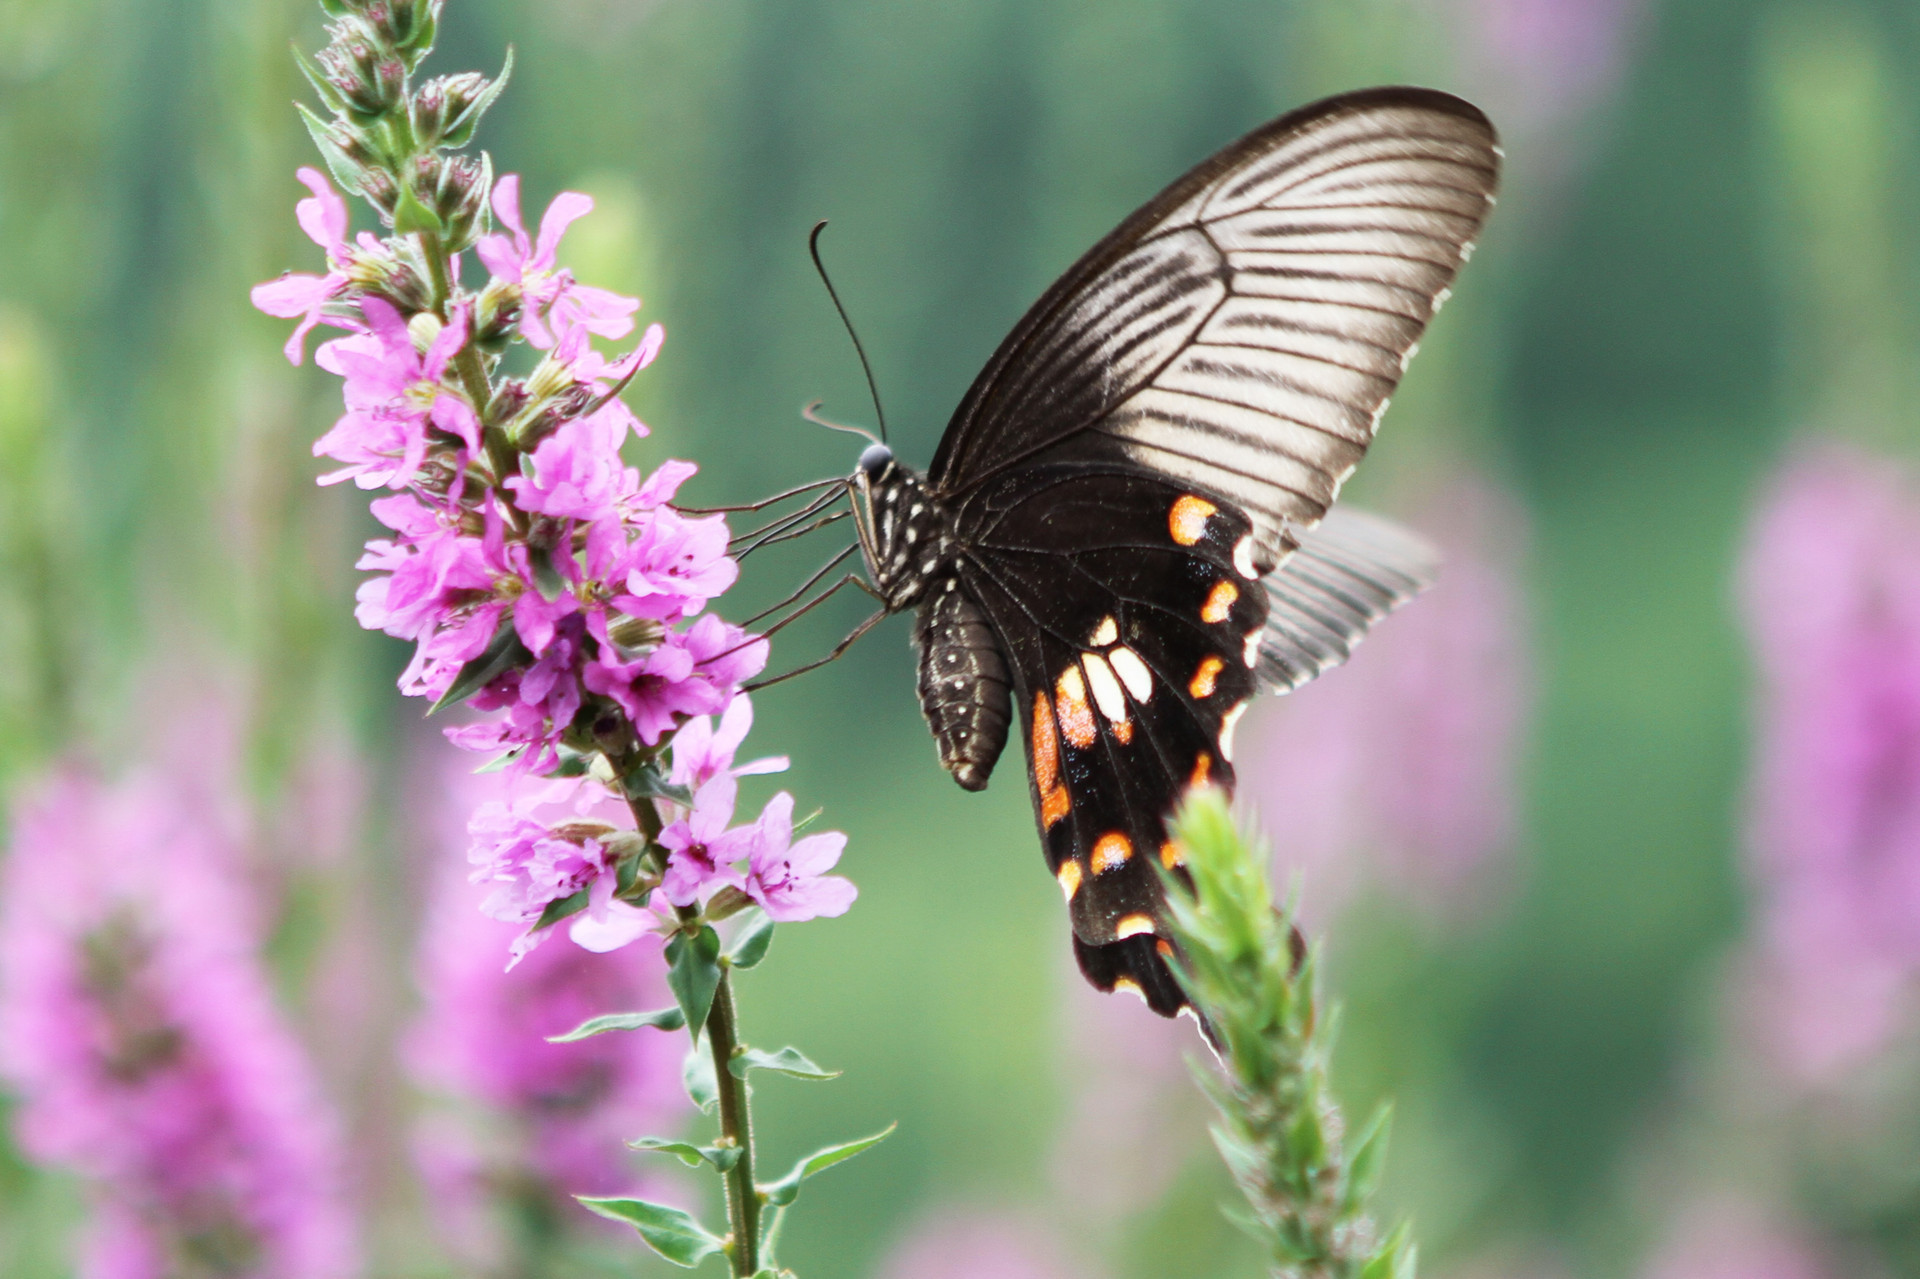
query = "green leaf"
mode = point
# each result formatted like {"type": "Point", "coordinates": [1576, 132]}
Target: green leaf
{"type": "Point", "coordinates": [782, 1192]}
{"type": "Point", "coordinates": [787, 1061]}
{"type": "Point", "coordinates": [659, 1019]}
{"type": "Point", "coordinates": [345, 171]}
{"type": "Point", "coordinates": [1369, 1156]}
{"type": "Point", "coordinates": [697, 1077]}
{"type": "Point", "coordinates": [410, 216]}
{"type": "Point", "coordinates": [503, 652]}
{"type": "Point", "coordinates": [674, 1234]}
{"type": "Point", "coordinates": [645, 781]}
{"type": "Point", "coordinates": [693, 972]}
{"type": "Point", "coordinates": [1395, 1260]}
{"type": "Point", "coordinates": [751, 946]}
{"type": "Point", "coordinates": [329, 96]}
{"type": "Point", "coordinates": [499, 762]}
{"type": "Point", "coordinates": [561, 907]}
{"type": "Point", "coordinates": [723, 1158]}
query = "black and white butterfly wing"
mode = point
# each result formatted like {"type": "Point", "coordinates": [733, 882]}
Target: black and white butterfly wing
{"type": "Point", "coordinates": [1243, 331]}
{"type": "Point", "coordinates": [1168, 424]}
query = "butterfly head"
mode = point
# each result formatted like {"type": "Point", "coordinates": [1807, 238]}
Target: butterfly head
{"type": "Point", "coordinates": [905, 536]}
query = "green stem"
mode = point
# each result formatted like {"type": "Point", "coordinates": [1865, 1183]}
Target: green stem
{"type": "Point", "coordinates": [736, 1125]}
{"type": "Point", "coordinates": [736, 1116]}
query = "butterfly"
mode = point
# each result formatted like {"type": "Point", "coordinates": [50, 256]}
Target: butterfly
{"type": "Point", "coordinates": [1127, 532]}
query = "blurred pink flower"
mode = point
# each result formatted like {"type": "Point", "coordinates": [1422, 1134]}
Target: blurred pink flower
{"type": "Point", "coordinates": [1831, 602]}
{"type": "Point", "coordinates": [978, 1245]}
{"type": "Point", "coordinates": [521, 1116]}
{"type": "Point", "coordinates": [139, 1032]}
{"type": "Point", "coordinates": [1733, 1239]}
{"type": "Point", "coordinates": [1133, 1115]}
{"type": "Point", "coordinates": [1396, 770]}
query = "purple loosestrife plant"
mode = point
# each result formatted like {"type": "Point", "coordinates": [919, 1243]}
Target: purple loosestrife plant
{"type": "Point", "coordinates": [1832, 608]}
{"type": "Point", "coordinates": [549, 585]}
{"type": "Point", "coordinates": [141, 1037]}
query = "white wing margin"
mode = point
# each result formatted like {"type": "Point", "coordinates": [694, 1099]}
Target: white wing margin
{"type": "Point", "coordinates": [1348, 573]}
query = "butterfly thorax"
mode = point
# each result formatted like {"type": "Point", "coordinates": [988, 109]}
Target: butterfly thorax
{"type": "Point", "coordinates": [906, 536]}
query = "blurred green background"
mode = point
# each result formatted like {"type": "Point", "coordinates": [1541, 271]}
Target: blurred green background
{"type": "Point", "coordinates": [1706, 237]}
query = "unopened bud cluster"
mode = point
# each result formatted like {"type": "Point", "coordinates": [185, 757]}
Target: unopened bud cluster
{"type": "Point", "coordinates": [387, 139]}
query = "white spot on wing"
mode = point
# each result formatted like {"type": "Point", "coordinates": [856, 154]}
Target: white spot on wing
{"type": "Point", "coordinates": [1105, 688]}
{"type": "Point", "coordinates": [1252, 654]}
{"type": "Point", "coordinates": [1132, 672]}
{"type": "Point", "coordinates": [1104, 634]}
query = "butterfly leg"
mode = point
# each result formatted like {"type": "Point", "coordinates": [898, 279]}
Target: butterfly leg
{"type": "Point", "coordinates": [805, 586]}
{"type": "Point", "coordinates": [838, 649]}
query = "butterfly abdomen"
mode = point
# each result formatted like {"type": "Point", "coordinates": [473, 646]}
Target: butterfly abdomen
{"type": "Point", "coordinates": [964, 683]}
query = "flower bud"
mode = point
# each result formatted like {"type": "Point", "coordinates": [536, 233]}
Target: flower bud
{"type": "Point", "coordinates": [636, 635]}
{"type": "Point", "coordinates": [380, 191]}
{"type": "Point", "coordinates": [508, 399]}
{"type": "Point", "coordinates": [496, 313]}
{"type": "Point", "coordinates": [446, 108]}
{"type": "Point", "coordinates": [368, 78]}
{"type": "Point", "coordinates": [454, 187]}
{"type": "Point", "coordinates": [424, 328]}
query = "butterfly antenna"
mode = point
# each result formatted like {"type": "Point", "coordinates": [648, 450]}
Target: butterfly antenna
{"type": "Point", "coordinates": [812, 413]}
{"type": "Point", "coordinates": [873, 388]}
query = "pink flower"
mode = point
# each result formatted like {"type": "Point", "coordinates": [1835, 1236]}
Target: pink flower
{"type": "Point", "coordinates": [140, 1035]}
{"type": "Point", "coordinates": [674, 567]}
{"type": "Point", "coordinates": [692, 673]}
{"type": "Point", "coordinates": [701, 752]}
{"type": "Point", "coordinates": [789, 880]}
{"type": "Point", "coordinates": [1832, 609]}
{"type": "Point", "coordinates": [701, 850]}
{"type": "Point", "coordinates": [547, 290]}
{"type": "Point", "coordinates": [530, 863]}
{"type": "Point", "coordinates": [577, 472]}
{"type": "Point", "coordinates": [394, 394]}
{"type": "Point", "coordinates": [324, 218]}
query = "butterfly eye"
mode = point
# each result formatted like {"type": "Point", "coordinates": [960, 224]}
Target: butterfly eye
{"type": "Point", "coordinates": [874, 460]}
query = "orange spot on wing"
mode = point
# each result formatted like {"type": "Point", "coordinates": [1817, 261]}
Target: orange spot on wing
{"type": "Point", "coordinates": [1188, 518]}
{"type": "Point", "coordinates": [1165, 948]}
{"type": "Point", "coordinates": [1202, 770]}
{"type": "Point", "coordinates": [1069, 877]}
{"type": "Point", "coordinates": [1076, 716]}
{"type": "Point", "coordinates": [1129, 985]}
{"type": "Point", "coordinates": [1201, 685]}
{"type": "Point", "coordinates": [1123, 731]}
{"type": "Point", "coordinates": [1110, 852]}
{"type": "Point", "coordinates": [1172, 856]}
{"type": "Point", "coordinates": [1046, 746]}
{"type": "Point", "coordinates": [1055, 803]}
{"type": "Point", "coordinates": [1132, 926]}
{"type": "Point", "coordinates": [1219, 601]}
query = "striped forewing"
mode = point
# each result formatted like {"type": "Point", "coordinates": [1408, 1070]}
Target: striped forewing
{"type": "Point", "coordinates": [1242, 333]}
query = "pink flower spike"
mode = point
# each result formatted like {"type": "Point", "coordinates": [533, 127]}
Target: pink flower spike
{"type": "Point", "coordinates": [791, 883]}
